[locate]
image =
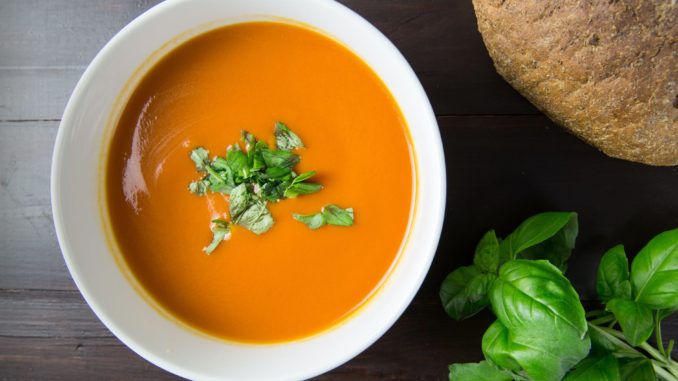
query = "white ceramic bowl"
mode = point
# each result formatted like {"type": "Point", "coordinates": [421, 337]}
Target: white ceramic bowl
{"type": "Point", "coordinates": [76, 188]}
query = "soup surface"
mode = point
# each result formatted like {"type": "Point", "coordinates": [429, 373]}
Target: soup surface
{"type": "Point", "coordinates": [290, 282]}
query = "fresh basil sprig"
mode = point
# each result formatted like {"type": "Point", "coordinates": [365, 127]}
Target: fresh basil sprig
{"type": "Point", "coordinates": [549, 236]}
{"type": "Point", "coordinates": [541, 331]}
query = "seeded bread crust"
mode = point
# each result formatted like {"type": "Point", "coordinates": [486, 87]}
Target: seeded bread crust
{"type": "Point", "coordinates": [606, 70]}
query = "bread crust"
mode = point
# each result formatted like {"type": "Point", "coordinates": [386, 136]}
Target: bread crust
{"type": "Point", "coordinates": [606, 70]}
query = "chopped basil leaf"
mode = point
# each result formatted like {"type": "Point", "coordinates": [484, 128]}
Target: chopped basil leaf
{"type": "Point", "coordinates": [220, 164]}
{"type": "Point", "coordinates": [199, 188]}
{"type": "Point", "coordinates": [221, 187]}
{"type": "Point", "coordinates": [279, 158]}
{"type": "Point", "coordinates": [285, 139]}
{"type": "Point", "coordinates": [273, 192]}
{"type": "Point", "coordinates": [237, 161]}
{"type": "Point", "coordinates": [298, 189]}
{"type": "Point", "coordinates": [304, 176]}
{"type": "Point", "coordinates": [256, 159]}
{"type": "Point", "coordinates": [239, 200]}
{"type": "Point", "coordinates": [335, 215]}
{"type": "Point", "coordinates": [313, 221]}
{"type": "Point", "coordinates": [200, 157]}
{"type": "Point", "coordinates": [220, 232]}
{"type": "Point", "coordinates": [256, 218]}
{"type": "Point", "coordinates": [329, 215]}
{"type": "Point", "coordinates": [277, 173]}
{"type": "Point", "coordinates": [249, 140]}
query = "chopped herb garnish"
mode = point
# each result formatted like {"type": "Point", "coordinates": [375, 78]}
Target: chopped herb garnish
{"type": "Point", "coordinates": [199, 187]}
{"type": "Point", "coordinates": [298, 189]}
{"type": "Point", "coordinates": [285, 139]}
{"type": "Point", "coordinates": [335, 215]}
{"type": "Point", "coordinates": [200, 157]}
{"type": "Point", "coordinates": [313, 221]}
{"type": "Point", "coordinates": [256, 176]}
{"type": "Point", "coordinates": [256, 217]}
{"type": "Point", "coordinates": [329, 215]}
{"type": "Point", "coordinates": [220, 232]}
{"type": "Point", "coordinates": [239, 200]}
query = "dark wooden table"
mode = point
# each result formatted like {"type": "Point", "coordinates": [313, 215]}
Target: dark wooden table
{"type": "Point", "coordinates": [505, 161]}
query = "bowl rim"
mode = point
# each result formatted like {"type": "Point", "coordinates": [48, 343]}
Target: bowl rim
{"type": "Point", "coordinates": [64, 240]}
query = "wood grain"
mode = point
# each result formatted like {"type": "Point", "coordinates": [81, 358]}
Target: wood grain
{"type": "Point", "coordinates": [504, 162]}
{"type": "Point", "coordinates": [47, 44]}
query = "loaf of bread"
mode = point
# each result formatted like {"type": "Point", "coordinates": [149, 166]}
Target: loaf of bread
{"type": "Point", "coordinates": [605, 69]}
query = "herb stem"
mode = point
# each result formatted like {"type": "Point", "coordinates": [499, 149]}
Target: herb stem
{"type": "Point", "coordinates": [594, 313]}
{"type": "Point", "coordinates": [658, 334]}
{"type": "Point", "coordinates": [212, 172]}
{"type": "Point", "coordinates": [629, 350]}
{"type": "Point", "coordinates": [666, 361]}
{"type": "Point", "coordinates": [665, 368]}
{"type": "Point", "coordinates": [602, 320]}
{"type": "Point", "coordinates": [655, 353]}
{"type": "Point", "coordinates": [612, 323]}
{"type": "Point", "coordinates": [661, 372]}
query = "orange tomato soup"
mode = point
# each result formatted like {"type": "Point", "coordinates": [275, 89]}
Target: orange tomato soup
{"type": "Point", "coordinates": [290, 282]}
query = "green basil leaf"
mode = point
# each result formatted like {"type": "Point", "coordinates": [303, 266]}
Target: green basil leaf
{"type": "Point", "coordinates": [256, 218]}
{"type": "Point", "coordinates": [314, 221]}
{"type": "Point", "coordinates": [527, 291]}
{"type": "Point", "coordinates": [603, 343]}
{"type": "Point", "coordinates": [654, 272]}
{"type": "Point", "coordinates": [497, 347]}
{"type": "Point", "coordinates": [261, 146]}
{"type": "Point", "coordinates": [464, 292]}
{"type": "Point", "coordinates": [199, 187]}
{"type": "Point", "coordinates": [255, 156]}
{"type": "Point", "coordinates": [249, 140]}
{"type": "Point", "coordinates": [220, 232]}
{"type": "Point", "coordinates": [219, 186]}
{"type": "Point", "coordinates": [544, 318]}
{"type": "Point", "coordinates": [637, 370]}
{"type": "Point", "coordinates": [278, 173]}
{"type": "Point", "coordinates": [220, 177]}
{"type": "Point", "coordinates": [298, 189]}
{"type": "Point", "coordinates": [285, 139]}
{"type": "Point", "coordinates": [557, 247]}
{"type": "Point", "coordinates": [605, 368]}
{"type": "Point", "coordinates": [482, 371]}
{"type": "Point", "coordinates": [279, 158]}
{"type": "Point", "coordinates": [220, 164]}
{"type": "Point", "coordinates": [537, 229]}
{"type": "Point", "coordinates": [239, 200]}
{"type": "Point", "coordinates": [303, 177]}
{"type": "Point", "coordinates": [543, 352]}
{"type": "Point", "coordinates": [237, 161]}
{"type": "Point", "coordinates": [486, 257]}
{"type": "Point", "coordinates": [613, 275]}
{"type": "Point", "coordinates": [634, 318]}
{"type": "Point", "coordinates": [334, 215]}
{"type": "Point", "coordinates": [200, 157]}
{"type": "Point", "coordinates": [273, 191]}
